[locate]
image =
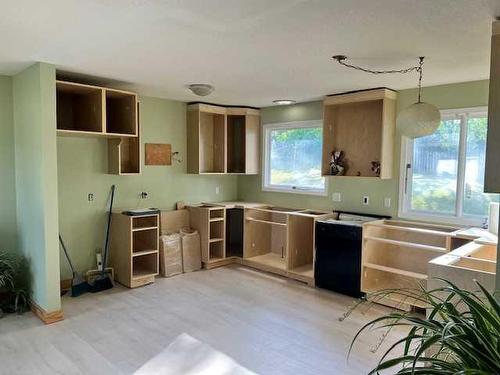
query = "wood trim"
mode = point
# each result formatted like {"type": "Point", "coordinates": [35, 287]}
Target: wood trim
{"type": "Point", "coordinates": [361, 96]}
{"type": "Point", "coordinates": [66, 285]}
{"type": "Point", "coordinates": [495, 28]}
{"type": "Point", "coordinates": [207, 108]}
{"type": "Point", "coordinates": [44, 316]}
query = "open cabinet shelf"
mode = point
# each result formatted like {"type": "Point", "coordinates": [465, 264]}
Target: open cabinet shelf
{"type": "Point", "coordinates": [80, 108]}
{"type": "Point", "coordinates": [396, 254]}
{"type": "Point", "coordinates": [84, 110]}
{"type": "Point", "coordinates": [134, 248]}
{"type": "Point", "coordinates": [222, 140]}
{"type": "Point", "coordinates": [121, 113]}
{"type": "Point", "coordinates": [362, 125]}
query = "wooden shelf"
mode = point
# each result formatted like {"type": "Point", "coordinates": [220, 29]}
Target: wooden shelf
{"type": "Point", "coordinates": [265, 222]}
{"type": "Point", "coordinates": [376, 280]}
{"type": "Point", "coordinates": [216, 219]}
{"type": "Point", "coordinates": [121, 112]}
{"type": "Point", "coordinates": [407, 244]}
{"type": "Point", "coordinates": [144, 228]}
{"type": "Point", "coordinates": [222, 140]}
{"type": "Point", "coordinates": [269, 260]}
{"type": "Point", "coordinates": [362, 125]}
{"type": "Point", "coordinates": [134, 249]}
{"type": "Point", "coordinates": [216, 240]}
{"type": "Point", "coordinates": [144, 252]}
{"type": "Point", "coordinates": [306, 270]}
{"type": "Point", "coordinates": [80, 107]}
{"type": "Point", "coordinates": [415, 275]}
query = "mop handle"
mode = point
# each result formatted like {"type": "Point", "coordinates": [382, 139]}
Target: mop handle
{"type": "Point", "coordinates": [66, 253]}
{"type": "Point", "coordinates": [106, 245]}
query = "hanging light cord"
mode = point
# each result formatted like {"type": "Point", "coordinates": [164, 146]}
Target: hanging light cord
{"type": "Point", "coordinates": [341, 59]}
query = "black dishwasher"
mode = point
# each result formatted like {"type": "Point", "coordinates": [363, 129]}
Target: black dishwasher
{"type": "Point", "coordinates": [338, 254]}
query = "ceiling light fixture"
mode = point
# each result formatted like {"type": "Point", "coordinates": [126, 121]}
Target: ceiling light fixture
{"type": "Point", "coordinates": [284, 101]}
{"type": "Point", "coordinates": [201, 89]}
{"type": "Point", "coordinates": [417, 120]}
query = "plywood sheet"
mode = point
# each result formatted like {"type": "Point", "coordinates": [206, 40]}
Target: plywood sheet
{"type": "Point", "coordinates": [158, 154]}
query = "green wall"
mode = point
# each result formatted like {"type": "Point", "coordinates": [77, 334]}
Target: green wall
{"type": "Point", "coordinates": [82, 167]}
{"type": "Point", "coordinates": [7, 168]}
{"type": "Point", "coordinates": [461, 95]}
{"type": "Point", "coordinates": [36, 179]}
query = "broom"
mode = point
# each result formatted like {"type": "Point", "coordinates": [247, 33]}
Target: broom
{"type": "Point", "coordinates": [78, 284]}
{"type": "Point", "coordinates": [103, 281]}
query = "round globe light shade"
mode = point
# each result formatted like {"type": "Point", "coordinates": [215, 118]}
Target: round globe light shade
{"type": "Point", "coordinates": [418, 120]}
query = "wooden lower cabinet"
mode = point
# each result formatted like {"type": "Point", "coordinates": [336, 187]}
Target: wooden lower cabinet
{"type": "Point", "coordinates": [134, 248]}
{"type": "Point", "coordinates": [396, 255]}
{"type": "Point", "coordinates": [281, 241]}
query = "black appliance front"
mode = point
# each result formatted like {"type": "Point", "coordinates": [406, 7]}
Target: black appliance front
{"type": "Point", "coordinates": [338, 257]}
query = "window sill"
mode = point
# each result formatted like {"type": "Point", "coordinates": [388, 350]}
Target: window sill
{"type": "Point", "coordinates": [295, 191]}
{"type": "Point", "coordinates": [439, 219]}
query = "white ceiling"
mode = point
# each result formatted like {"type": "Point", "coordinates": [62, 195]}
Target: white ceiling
{"type": "Point", "coordinates": [252, 51]}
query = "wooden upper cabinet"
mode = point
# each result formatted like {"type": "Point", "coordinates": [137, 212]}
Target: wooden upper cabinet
{"type": "Point", "coordinates": [92, 110]}
{"type": "Point", "coordinates": [362, 125]}
{"type": "Point", "coordinates": [222, 140]}
{"type": "Point", "coordinates": [492, 172]}
{"type": "Point", "coordinates": [85, 110]}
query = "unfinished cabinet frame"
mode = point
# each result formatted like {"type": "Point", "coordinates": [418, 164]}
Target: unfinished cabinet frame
{"type": "Point", "coordinates": [210, 222]}
{"type": "Point", "coordinates": [395, 254]}
{"type": "Point", "coordinates": [362, 125]}
{"type": "Point", "coordinates": [473, 261]}
{"type": "Point", "coordinates": [85, 110]}
{"type": "Point", "coordinates": [134, 248]}
{"type": "Point", "coordinates": [281, 241]}
{"type": "Point", "coordinates": [222, 140]}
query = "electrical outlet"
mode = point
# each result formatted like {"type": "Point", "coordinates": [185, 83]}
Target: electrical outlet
{"type": "Point", "coordinates": [217, 189]}
{"type": "Point", "coordinates": [143, 195]}
{"type": "Point", "coordinates": [366, 200]}
{"type": "Point", "coordinates": [387, 202]}
{"type": "Point", "coordinates": [90, 197]}
{"type": "Point", "coordinates": [337, 197]}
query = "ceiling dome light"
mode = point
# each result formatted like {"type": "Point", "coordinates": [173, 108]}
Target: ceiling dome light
{"type": "Point", "coordinates": [284, 101]}
{"type": "Point", "coordinates": [418, 120]}
{"type": "Point", "coordinates": [201, 89]}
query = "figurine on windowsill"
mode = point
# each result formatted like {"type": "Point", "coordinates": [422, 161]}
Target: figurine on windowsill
{"type": "Point", "coordinates": [376, 168]}
{"type": "Point", "coordinates": [337, 167]}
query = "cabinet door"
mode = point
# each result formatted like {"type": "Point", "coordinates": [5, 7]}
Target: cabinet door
{"type": "Point", "coordinates": [252, 144]}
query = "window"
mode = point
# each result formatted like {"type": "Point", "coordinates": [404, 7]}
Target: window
{"type": "Point", "coordinates": [292, 157]}
{"type": "Point", "coordinates": [443, 173]}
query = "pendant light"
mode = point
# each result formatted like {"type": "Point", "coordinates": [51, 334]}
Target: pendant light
{"type": "Point", "coordinates": [419, 119]}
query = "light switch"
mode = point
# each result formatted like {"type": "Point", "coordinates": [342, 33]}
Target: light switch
{"type": "Point", "coordinates": [337, 197]}
{"type": "Point", "coordinates": [387, 202]}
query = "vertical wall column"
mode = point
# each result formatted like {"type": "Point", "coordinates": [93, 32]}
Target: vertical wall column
{"type": "Point", "coordinates": [36, 183]}
{"type": "Point", "coordinates": [492, 174]}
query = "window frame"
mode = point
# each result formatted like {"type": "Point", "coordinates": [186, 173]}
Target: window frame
{"type": "Point", "coordinates": [406, 174]}
{"type": "Point", "coordinates": [266, 152]}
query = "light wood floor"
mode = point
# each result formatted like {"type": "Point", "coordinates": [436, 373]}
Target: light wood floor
{"type": "Point", "coordinates": [264, 323]}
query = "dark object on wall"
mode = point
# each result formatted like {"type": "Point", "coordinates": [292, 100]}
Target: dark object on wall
{"type": "Point", "coordinates": [337, 166]}
{"type": "Point", "coordinates": [376, 167]}
{"type": "Point", "coordinates": [158, 154]}
{"type": "Point", "coordinates": [234, 232]}
{"type": "Point", "coordinates": [78, 284]}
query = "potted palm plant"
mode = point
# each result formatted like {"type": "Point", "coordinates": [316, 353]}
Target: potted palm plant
{"type": "Point", "coordinates": [14, 282]}
{"type": "Point", "coordinates": [459, 335]}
